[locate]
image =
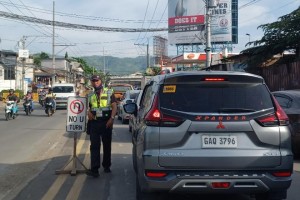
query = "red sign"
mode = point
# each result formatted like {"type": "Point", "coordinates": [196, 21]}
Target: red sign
{"type": "Point", "coordinates": [76, 106]}
{"type": "Point", "coordinates": [186, 20]}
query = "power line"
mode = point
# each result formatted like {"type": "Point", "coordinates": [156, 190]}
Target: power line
{"type": "Point", "coordinates": [249, 4]}
{"type": "Point", "coordinates": [143, 21]}
{"type": "Point", "coordinates": [77, 26]}
{"type": "Point", "coordinates": [45, 11]}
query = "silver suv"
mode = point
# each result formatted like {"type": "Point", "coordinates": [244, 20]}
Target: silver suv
{"type": "Point", "coordinates": [211, 132]}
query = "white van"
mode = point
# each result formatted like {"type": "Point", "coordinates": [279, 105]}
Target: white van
{"type": "Point", "coordinates": [62, 92]}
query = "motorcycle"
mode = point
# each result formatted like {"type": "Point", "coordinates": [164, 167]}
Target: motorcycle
{"type": "Point", "coordinates": [27, 106]}
{"type": "Point", "coordinates": [10, 110]}
{"type": "Point", "coordinates": [42, 100]}
{"type": "Point", "coordinates": [49, 107]}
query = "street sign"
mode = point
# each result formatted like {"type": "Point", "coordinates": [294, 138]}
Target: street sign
{"type": "Point", "coordinates": [23, 53]}
{"type": "Point", "coordinates": [76, 115]}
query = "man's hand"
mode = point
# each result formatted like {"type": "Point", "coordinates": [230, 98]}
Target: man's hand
{"type": "Point", "coordinates": [90, 115]}
{"type": "Point", "coordinates": [109, 123]}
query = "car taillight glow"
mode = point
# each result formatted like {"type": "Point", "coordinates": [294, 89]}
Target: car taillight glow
{"type": "Point", "coordinates": [156, 118]}
{"type": "Point", "coordinates": [156, 174]}
{"type": "Point", "coordinates": [278, 118]}
{"type": "Point", "coordinates": [220, 185]}
{"type": "Point", "coordinates": [282, 174]}
{"type": "Point", "coordinates": [214, 79]}
{"type": "Point", "coordinates": [270, 120]}
{"type": "Point", "coordinates": [282, 117]}
{"type": "Point", "coordinates": [170, 121]}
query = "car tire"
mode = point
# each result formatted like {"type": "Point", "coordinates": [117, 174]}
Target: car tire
{"type": "Point", "coordinates": [124, 121]}
{"type": "Point", "coordinates": [141, 195]}
{"type": "Point", "coordinates": [134, 159]}
{"type": "Point", "coordinates": [130, 129]}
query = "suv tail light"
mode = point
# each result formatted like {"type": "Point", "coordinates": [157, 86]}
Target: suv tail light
{"type": "Point", "coordinates": [278, 118]}
{"type": "Point", "coordinates": [282, 174]}
{"type": "Point", "coordinates": [155, 174]}
{"type": "Point", "coordinates": [156, 118]}
{"type": "Point", "coordinates": [220, 185]}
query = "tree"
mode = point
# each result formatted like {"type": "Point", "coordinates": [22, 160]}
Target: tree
{"type": "Point", "coordinates": [89, 71]}
{"type": "Point", "coordinates": [282, 35]}
{"type": "Point", "coordinates": [66, 55]}
{"type": "Point", "coordinates": [37, 59]}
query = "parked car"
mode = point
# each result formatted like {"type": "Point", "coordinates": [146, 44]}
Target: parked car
{"type": "Point", "coordinates": [211, 132]}
{"type": "Point", "coordinates": [128, 97]}
{"type": "Point", "coordinates": [289, 100]}
{"type": "Point", "coordinates": [132, 118]}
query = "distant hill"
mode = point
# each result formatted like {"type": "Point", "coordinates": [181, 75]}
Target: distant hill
{"type": "Point", "coordinates": [118, 66]}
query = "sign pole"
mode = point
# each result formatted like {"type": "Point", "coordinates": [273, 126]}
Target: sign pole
{"type": "Point", "coordinates": [76, 123]}
{"type": "Point", "coordinates": [74, 161]}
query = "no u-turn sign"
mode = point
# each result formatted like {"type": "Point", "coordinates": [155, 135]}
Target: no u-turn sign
{"type": "Point", "coordinates": [76, 117]}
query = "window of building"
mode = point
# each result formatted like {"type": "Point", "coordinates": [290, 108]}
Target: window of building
{"type": "Point", "coordinates": [9, 73]}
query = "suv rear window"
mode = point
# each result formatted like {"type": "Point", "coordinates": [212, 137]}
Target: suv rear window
{"type": "Point", "coordinates": [215, 97]}
{"type": "Point", "coordinates": [63, 89]}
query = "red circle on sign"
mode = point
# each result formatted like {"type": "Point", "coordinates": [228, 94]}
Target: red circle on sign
{"type": "Point", "coordinates": [76, 106]}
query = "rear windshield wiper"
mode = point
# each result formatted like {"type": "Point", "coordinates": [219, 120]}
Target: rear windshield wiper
{"type": "Point", "coordinates": [234, 110]}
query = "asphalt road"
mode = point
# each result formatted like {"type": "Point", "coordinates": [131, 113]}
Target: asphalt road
{"type": "Point", "coordinates": [33, 148]}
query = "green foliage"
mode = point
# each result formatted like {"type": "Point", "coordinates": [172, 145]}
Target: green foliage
{"type": "Point", "coordinates": [279, 36]}
{"type": "Point", "coordinates": [89, 71]}
{"type": "Point", "coordinates": [17, 91]}
{"type": "Point", "coordinates": [118, 66]}
{"type": "Point", "coordinates": [66, 55]}
{"type": "Point", "coordinates": [37, 58]}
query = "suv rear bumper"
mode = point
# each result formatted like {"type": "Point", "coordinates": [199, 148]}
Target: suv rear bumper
{"type": "Point", "coordinates": [247, 183]}
{"type": "Point", "coordinates": [200, 181]}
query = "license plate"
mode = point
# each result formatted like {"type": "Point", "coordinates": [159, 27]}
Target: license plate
{"type": "Point", "coordinates": [218, 141]}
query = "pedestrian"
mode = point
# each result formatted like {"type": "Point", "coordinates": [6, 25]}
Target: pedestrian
{"type": "Point", "coordinates": [101, 115]}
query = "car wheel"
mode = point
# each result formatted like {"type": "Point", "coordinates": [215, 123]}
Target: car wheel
{"type": "Point", "coordinates": [134, 159]}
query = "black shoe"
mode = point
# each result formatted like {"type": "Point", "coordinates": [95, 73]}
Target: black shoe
{"type": "Point", "coordinates": [92, 173]}
{"type": "Point", "coordinates": [107, 170]}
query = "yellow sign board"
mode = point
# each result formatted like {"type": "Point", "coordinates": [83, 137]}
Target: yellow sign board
{"type": "Point", "coordinates": [169, 89]}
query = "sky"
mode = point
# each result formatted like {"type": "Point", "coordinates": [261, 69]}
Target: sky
{"type": "Point", "coordinates": [115, 14]}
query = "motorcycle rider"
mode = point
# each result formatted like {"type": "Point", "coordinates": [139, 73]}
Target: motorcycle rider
{"type": "Point", "coordinates": [13, 97]}
{"type": "Point", "coordinates": [52, 96]}
{"type": "Point", "coordinates": [42, 95]}
{"type": "Point", "coordinates": [29, 98]}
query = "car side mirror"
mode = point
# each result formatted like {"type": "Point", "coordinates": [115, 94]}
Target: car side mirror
{"type": "Point", "coordinates": [130, 108]}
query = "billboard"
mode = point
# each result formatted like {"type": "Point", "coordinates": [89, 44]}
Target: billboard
{"type": "Point", "coordinates": [187, 21]}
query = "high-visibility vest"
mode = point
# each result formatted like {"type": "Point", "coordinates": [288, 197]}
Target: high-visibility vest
{"type": "Point", "coordinates": [104, 100]}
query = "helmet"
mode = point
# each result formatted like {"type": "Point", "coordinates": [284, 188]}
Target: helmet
{"type": "Point", "coordinates": [11, 91]}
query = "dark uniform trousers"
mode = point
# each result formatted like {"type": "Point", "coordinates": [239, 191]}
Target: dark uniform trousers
{"type": "Point", "coordinates": [98, 133]}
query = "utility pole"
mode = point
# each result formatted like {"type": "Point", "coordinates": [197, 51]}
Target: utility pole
{"type": "Point", "coordinates": [209, 4]}
{"type": "Point", "coordinates": [147, 51]}
{"type": "Point", "coordinates": [103, 62]}
{"type": "Point", "coordinates": [148, 54]}
{"type": "Point", "coordinates": [104, 75]}
{"type": "Point", "coordinates": [23, 62]}
{"type": "Point", "coordinates": [53, 45]}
